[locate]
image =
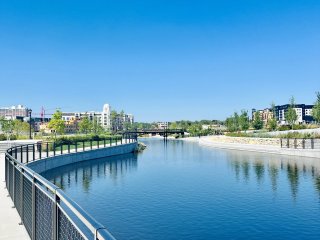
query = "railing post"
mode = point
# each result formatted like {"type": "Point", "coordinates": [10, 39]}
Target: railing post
{"type": "Point", "coordinates": [98, 143]}
{"type": "Point", "coordinates": [55, 209]}
{"type": "Point", "coordinates": [83, 145]}
{"type": "Point", "coordinates": [47, 149]}
{"type": "Point", "coordinates": [116, 141]}
{"type": "Point", "coordinates": [34, 151]}
{"type": "Point", "coordinates": [91, 144]}
{"type": "Point", "coordinates": [21, 153]}
{"type": "Point", "coordinates": [33, 202]}
{"type": "Point", "coordinates": [54, 148]}
{"type": "Point", "coordinates": [312, 143]}
{"type": "Point", "coordinates": [121, 140]}
{"type": "Point", "coordinates": [288, 143]}
{"type": "Point", "coordinates": [40, 150]}
{"type": "Point", "coordinates": [303, 143]}
{"type": "Point", "coordinates": [27, 150]}
{"type": "Point", "coordinates": [16, 152]}
{"type": "Point", "coordinates": [110, 141]}
{"type": "Point", "coordinates": [61, 148]}
{"type": "Point", "coordinates": [22, 194]}
{"type": "Point", "coordinates": [13, 181]}
{"type": "Point", "coordinates": [281, 142]}
{"type": "Point", "coordinates": [295, 143]}
{"type": "Point", "coordinates": [68, 147]}
{"type": "Point", "coordinates": [104, 142]}
{"type": "Point", "coordinates": [76, 146]}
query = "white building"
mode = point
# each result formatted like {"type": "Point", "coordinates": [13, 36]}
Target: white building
{"type": "Point", "coordinates": [103, 118]}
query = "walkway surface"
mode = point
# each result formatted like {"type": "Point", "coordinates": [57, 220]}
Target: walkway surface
{"type": "Point", "coordinates": [9, 217]}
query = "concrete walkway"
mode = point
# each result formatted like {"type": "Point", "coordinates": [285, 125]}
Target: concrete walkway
{"type": "Point", "coordinates": [311, 153]}
{"type": "Point", "coordinates": [9, 217]}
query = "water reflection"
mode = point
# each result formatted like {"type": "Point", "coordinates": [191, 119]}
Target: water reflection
{"type": "Point", "coordinates": [261, 169]}
{"type": "Point", "coordinates": [113, 168]}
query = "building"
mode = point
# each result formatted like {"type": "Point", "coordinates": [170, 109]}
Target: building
{"type": "Point", "coordinates": [14, 112]}
{"type": "Point", "coordinates": [103, 118]}
{"type": "Point", "coordinates": [266, 115]}
{"type": "Point", "coordinates": [304, 114]}
{"type": "Point", "coordinates": [162, 125]}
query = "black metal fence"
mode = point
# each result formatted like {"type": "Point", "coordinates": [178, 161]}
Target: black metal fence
{"type": "Point", "coordinates": [300, 143]}
{"type": "Point", "coordinates": [45, 211]}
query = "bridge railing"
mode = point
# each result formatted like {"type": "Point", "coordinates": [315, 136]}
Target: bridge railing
{"type": "Point", "coordinates": [45, 210]}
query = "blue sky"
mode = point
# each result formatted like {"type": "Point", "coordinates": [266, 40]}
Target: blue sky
{"type": "Point", "coordinates": [160, 60]}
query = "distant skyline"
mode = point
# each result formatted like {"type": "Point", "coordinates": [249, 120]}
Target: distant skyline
{"type": "Point", "coordinates": [159, 60]}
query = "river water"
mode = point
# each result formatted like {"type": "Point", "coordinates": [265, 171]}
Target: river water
{"type": "Point", "coordinates": [180, 190]}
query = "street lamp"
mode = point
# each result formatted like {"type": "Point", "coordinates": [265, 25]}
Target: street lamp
{"type": "Point", "coordinates": [30, 111]}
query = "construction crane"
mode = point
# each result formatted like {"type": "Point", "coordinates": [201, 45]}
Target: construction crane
{"type": "Point", "coordinates": [43, 113]}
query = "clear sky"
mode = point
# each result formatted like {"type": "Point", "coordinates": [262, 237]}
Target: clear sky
{"type": "Point", "coordinates": [160, 60]}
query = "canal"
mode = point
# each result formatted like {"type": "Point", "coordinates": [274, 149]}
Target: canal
{"type": "Point", "coordinates": [180, 190]}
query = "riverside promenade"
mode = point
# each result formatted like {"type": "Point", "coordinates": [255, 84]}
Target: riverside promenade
{"type": "Point", "coordinates": [223, 142]}
{"type": "Point", "coordinates": [9, 217]}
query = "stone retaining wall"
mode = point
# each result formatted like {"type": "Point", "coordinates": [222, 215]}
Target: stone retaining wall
{"type": "Point", "coordinates": [246, 140]}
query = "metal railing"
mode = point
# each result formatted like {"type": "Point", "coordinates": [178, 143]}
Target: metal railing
{"type": "Point", "coordinates": [300, 143]}
{"type": "Point", "coordinates": [45, 210]}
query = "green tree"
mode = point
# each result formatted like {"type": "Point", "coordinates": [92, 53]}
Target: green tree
{"type": "Point", "coordinates": [56, 123]}
{"type": "Point", "coordinates": [6, 126]}
{"type": "Point", "coordinates": [85, 125]}
{"type": "Point", "coordinates": [244, 120]}
{"type": "Point", "coordinates": [316, 109]}
{"type": "Point", "coordinates": [257, 121]}
{"type": "Point", "coordinates": [232, 123]}
{"type": "Point", "coordinates": [173, 125]}
{"type": "Point", "coordinates": [96, 127]}
{"type": "Point", "coordinates": [114, 120]}
{"type": "Point", "coordinates": [272, 123]}
{"type": "Point", "coordinates": [20, 127]}
{"type": "Point", "coordinates": [291, 114]}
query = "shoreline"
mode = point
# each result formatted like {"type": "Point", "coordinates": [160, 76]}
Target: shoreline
{"type": "Point", "coordinates": [269, 149]}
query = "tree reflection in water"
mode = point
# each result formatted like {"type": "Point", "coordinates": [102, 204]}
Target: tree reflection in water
{"type": "Point", "coordinates": [294, 168]}
{"type": "Point", "coordinates": [111, 167]}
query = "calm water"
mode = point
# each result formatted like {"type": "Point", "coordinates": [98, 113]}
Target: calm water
{"type": "Point", "coordinates": [185, 191]}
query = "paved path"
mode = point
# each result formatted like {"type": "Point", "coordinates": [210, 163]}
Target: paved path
{"type": "Point", "coordinates": [9, 217]}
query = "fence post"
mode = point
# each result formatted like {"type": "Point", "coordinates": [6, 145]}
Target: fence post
{"type": "Point", "coordinates": [68, 147]}
{"type": "Point", "coordinates": [16, 152]}
{"type": "Point", "coordinates": [22, 194]}
{"type": "Point", "coordinates": [54, 148]}
{"type": "Point", "coordinates": [312, 143]}
{"type": "Point", "coordinates": [13, 181]}
{"type": "Point", "coordinates": [104, 142]}
{"type": "Point", "coordinates": [33, 202]}
{"type": "Point", "coordinates": [27, 150]}
{"type": "Point", "coordinates": [288, 143]}
{"type": "Point", "coordinates": [76, 146]}
{"type": "Point", "coordinates": [61, 148]}
{"type": "Point", "coordinates": [34, 151]}
{"type": "Point", "coordinates": [40, 150]}
{"type": "Point", "coordinates": [47, 149]}
{"type": "Point", "coordinates": [83, 145]}
{"type": "Point", "coordinates": [98, 143]}
{"type": "Point", "coordinates": [21, 153]}
{"type": "Point", "coordinates": [295, 143]}
{"type": "Point", "coordinates": [55, 216]}
{"type": "Point", "coordinates": [303, 143]}
{"type": "Point", "coordinates": [110, 141]}
{"type": "Point", "coordinates": [91, 144]}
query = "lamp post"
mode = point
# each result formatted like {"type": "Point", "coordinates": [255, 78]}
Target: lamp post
{"type": "Point", "coordinates": [30, 111]}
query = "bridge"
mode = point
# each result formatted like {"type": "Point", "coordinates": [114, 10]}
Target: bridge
{"type": "Point", "coordinates": [161, 132]}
